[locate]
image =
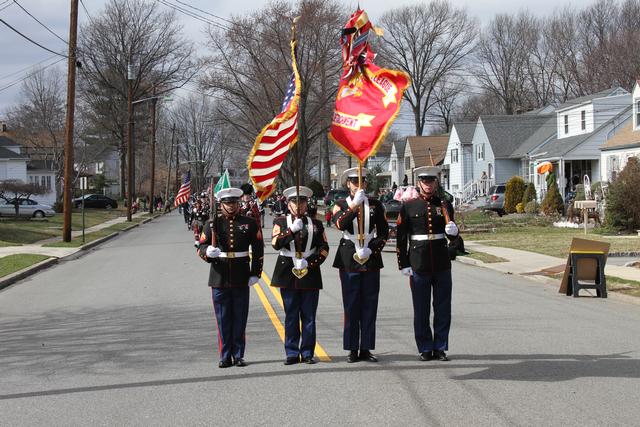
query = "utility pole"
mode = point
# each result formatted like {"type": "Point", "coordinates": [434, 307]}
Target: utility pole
{"type": "Point", "coordinates": [166, 192]}
{"type": "Point", "coordinates": [130, 165]}
{"type": "Point", "coordinates": [68, 131]}
{"type": "Point", "coordinates": [153, 148]}
{"type": "Point", "coordinates": [177, 163]}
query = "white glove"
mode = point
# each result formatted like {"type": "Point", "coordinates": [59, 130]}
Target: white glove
{"type": "Point", "coordinates": [213, 252]}
{"type": "Point", "coordinates": [253, 280]}
{"type": "Point", "coordinates": [300, 263]}
{"type": "Point", "coordinates": [451, 228]}
{"type": "Point", "coordinates": [358, 198]}
{"type": "Point", "coordinates": [297, 225]}
{"type": "Point", "coordinates": [196, 243]}
{"type": "Point", "coordinates": [407, 271]}
{"type": "Point", "coordinates": [363, 253]}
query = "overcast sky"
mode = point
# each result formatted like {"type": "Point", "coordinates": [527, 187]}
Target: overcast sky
{"type": "Point", "coordinates": [18, 55]}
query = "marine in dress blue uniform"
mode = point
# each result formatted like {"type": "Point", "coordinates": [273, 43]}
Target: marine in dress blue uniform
{"type": "Point", "coordinates": [360, 281]}
{"type": "Point", "coordinates": [302, 245]}
{"type": "Point", "coordinates": [424, 226]}
{"type": "Point", "coordinates": [225, 243]}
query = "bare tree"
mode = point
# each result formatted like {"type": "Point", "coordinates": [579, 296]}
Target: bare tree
{"type": "Point", "coordinates": [38, 121]}
{"type": "Point", "coordinates": [195, 116]}
{"type": "Point", "coordinates": [137, 33]}
{"type": "Point", "coordinates": [447, 95]}
{"type": "Point", "coordinates": [503, 57]}
{"type": "Point", "coordinates": [251, 67]}
{"type": "Point", "coordinates": [429, 42]}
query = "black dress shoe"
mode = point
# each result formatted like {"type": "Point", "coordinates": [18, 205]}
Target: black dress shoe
{"type": "Point", "coordinates": [239, 362]}
{"type": "Point", "coordinates": [367, 356]}
{"type": "Point", "coordinates": [440, 355]}
{"type": "Point", "coordinates": [224, 363]}
{"type": "Point", "coordinates": [426, 356]}
{"type": "Point", "coordinates": [308, 360]}
{"type": "Point", "coordinates": [292, 360]}
{"type": "Point", "coordinates": [352, 357]}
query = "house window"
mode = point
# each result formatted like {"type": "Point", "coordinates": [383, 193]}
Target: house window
{"type": "Point", "coordinates": [48, 182]}
{"type": "Point", "coordinates": [637, 113]}
{"type": "Point", "coordinates": [393, 165]}
{"type": "Point", "coordinates": [454, 155]}
{"type": "Point", "coordinates": [566, 123]}
{"type": "Point", "coordinates": [43, 181]}
{"type": "Point", "coordinates": [583, 120]}
{"type": "Point", "coordinates": [407, 163]}
{"type": "Point", "coordinates": [480, 152]}
{"type": "Point", "coordinates": [333, 169]}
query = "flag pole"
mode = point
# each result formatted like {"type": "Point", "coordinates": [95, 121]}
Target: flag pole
{"type": "Point", "coordinates": [214, 216]}
{"type": "Point", "coordinates": [360, 218]}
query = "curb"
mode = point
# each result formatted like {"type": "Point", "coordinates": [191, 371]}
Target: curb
{"type": "Point", "coordinates": [26, 272]}
{"type": "Point", "coordinates": [617, 296]}
{"type": "Point", "coordinates": [33, 269]}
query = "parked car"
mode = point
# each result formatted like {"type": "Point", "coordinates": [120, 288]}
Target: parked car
{"type": "Point", "coordinates": [27, 208]}
{"type": "Point", "coordinates": [95, 201]}
{"type": "Point", "coordinates": [336, 194]}
{"type": "Point", "coordinates": [495, 199]}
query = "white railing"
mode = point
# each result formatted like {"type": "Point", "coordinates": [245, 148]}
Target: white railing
{"type": "Point", "coordinates": [472, 190]}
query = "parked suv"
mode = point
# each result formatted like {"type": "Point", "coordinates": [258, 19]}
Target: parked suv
{"type": "Point", "coordinates": [495, 199]}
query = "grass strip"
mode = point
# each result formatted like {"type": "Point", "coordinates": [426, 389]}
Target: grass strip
{"type": "Point", "coordinates": [77, 241]}
{"type": "Point", "coordinates": [485, 257]}
{"type": "Point", "coordinates": [12, 263]}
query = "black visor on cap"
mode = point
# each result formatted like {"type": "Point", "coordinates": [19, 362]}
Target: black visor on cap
{"type": "Point", "coordinates": [230, 199]}
{"type": "Point", "coordinates": [355, 178]}
{"type": "Point", "coordinates": [428, 178]}
{"type": "Point", "coordinates": [296, 199]}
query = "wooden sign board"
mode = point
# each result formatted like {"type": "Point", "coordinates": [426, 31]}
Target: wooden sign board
{"type": "Point", "coordinates": [587, 268]}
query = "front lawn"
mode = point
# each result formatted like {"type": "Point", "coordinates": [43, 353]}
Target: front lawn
{"type": "Point", "coordinates": [12, 263]}
{"type": "Point", "coordinates": [16, 231]}
{"type": "Point", "coordinates": [534, 234]}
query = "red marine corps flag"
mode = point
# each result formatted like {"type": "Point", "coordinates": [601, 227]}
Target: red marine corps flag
{"type": "Point", "coordinates": [368, 97]}
{"type": "Point", "coordinates": [276, 138]}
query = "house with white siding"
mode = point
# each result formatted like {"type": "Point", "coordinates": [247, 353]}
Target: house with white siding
{"type": "Point", "coordinates": [458, 157]}
{"type": "Point", "coordinates": [625, 144]}
{"type": "Point", "coordinates": [13, 164]}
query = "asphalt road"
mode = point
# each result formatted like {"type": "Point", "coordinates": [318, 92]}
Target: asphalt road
{"type": "Point", "coordinates": [125, 336]}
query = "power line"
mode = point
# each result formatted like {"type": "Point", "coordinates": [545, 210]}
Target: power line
{"type": "Point", "coordinates": [15, 82]}
{"type": "Point", "coordinates": [38, 21]}
{"type": "Point", "coordinates": [27, 67]}
{"type": "Point", "coordinates": [31, 40]}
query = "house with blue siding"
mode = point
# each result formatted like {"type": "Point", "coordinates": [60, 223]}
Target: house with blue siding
{"type": "Point", "coordinates": [495, 141]}
{"type": "Point", "coordinates": [583, 126]}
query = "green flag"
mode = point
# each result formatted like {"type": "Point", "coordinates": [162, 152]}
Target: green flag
{"type": "Point", "coordinates": [223, 182]}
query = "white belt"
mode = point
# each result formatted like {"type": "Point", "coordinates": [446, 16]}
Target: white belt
{"type": "Point", "coordinates": [427, 236]}
{"type": "Point", "coordinates": [354, 237]}
{"type": "Point", "coordinates": [292, 254]}
{"type": "Point", "coordinates": [234, 254]}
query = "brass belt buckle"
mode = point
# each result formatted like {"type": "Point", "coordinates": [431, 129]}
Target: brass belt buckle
{"type": "Point", "coordinates": [231, 254]}
{"type": "Point", "coordinates": [359, 260]}
{"type": "Point", "coordinates": [299, 273]}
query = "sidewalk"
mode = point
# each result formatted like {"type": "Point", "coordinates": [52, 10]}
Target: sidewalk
{"type": "Point", "coordinates": [527, 263]}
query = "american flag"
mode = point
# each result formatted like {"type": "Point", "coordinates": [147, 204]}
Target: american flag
{"type": "Point", "coordinates": [185, 190]}
{"type": "Point", "coordinates": [275, 139]}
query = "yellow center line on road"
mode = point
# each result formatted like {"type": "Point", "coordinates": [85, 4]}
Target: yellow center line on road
{"type": "Point", "coordinates": [270, 311]}
{"type": "Point", "coordinates": [320, 352]}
